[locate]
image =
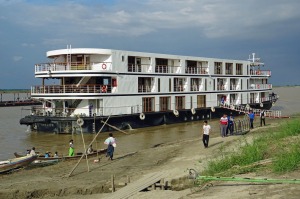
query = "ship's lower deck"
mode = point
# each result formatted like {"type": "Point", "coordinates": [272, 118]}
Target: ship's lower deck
{"type": "Point", "coordinates": [131, 121]}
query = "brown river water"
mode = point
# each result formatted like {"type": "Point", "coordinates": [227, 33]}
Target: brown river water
{"type": "Point", "coordinates": [17, 138]}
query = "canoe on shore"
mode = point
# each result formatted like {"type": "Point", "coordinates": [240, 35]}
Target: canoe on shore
{"type": "Point", "coordinates": [16, 163]}
{"type": "Point", "coordinates": [75, 157]}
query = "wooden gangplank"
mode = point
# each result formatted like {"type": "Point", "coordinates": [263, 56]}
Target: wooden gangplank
{"type": "Point", "coordinates": [138, 185]}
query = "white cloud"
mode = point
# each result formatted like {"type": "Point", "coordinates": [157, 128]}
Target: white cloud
{"type": "Point", "coordinates": [213, 18]}
{"type": "Point", "coordinates": [17, 58]}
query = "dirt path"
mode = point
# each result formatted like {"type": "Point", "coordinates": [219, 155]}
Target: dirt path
{"type": "Point", "coordinates": [176, 158]}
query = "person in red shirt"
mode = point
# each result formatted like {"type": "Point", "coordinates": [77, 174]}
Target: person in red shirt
{"type": "Point", "coordinates": [223, 125]}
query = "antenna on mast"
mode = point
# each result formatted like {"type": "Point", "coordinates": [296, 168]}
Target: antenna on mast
{"type": "Point", "coordinates": [69, 55]}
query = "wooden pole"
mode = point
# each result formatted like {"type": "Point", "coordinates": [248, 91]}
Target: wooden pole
{"type": "Point", "coordinates": [85, 152]}
{"type": "Point", "coordinates": [115, 128]}
{"type": "Point", "coordinates": [113, 183]}
{"type": "Point", "coordinates": [89, 144]}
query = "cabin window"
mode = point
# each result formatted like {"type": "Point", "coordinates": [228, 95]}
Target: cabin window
{"type": "Point", "coordinates": [114, 82]}
{"type": "Point", "coordinates": [148, 104]}
{"type": "Point", "coordinates": [239, 69]}
{"type": "Point", "coordinates": [122, 58]}
{"type": "Point", "coordinates": [179, 102]}
{"type": "Point", "coordinates": [241, 88]}
{"type": "Point", "coordinates": [158, 85]}
{"type": "Point", "coordinates": [179, 84]}
{"type": "Point", "coordinates": [218, 68]}
{"type": "Point", "coordinates": [164, 103]}
{"type": "Point", "coordinates": [228, 67]}
{"type": "Point", "coordinates": [105, 81]}
{"type": "Point", "coordinates": [201, 101]}
{"type": "Point", "coordinates": [195, 84]}
{"type": "Point", "coordinates": [170, 85]}
{"type": "Point", "coordinates": [145, 84]}
{"type": "Point", "coordinates": [161, 65]}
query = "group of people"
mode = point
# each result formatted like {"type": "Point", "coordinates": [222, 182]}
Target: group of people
{"type": "Point", "coordinates": [110, 142]}
{"type": "Point", "coordinates": [47, 154]}
{"type": "Point", "coordinates": [262, 116]}
{"type": "Point", "coordinates": [227, 126]}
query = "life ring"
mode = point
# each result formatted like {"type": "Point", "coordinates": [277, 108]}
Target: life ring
{"type": "Point", "coordinates": [193, 111]}
{"type": "Point", "coordinates": [142, 116]}
{"type": "Point", "coordinates": [273, 103]}
{"type": "Point", "coordinates": [176, 113]}
{"type": "Point", "coordinates": [80, 122]}
{"type": "Point", "coordinates": [104, 89]}
{"type": "Point", "coordinates": [261, 105]}
{"type": "Point", "coordinates": [212, 109]}
{"type": "Point", "coordinates": [231, 107]}
{"type": "Point", "coordinates": [104, 66]}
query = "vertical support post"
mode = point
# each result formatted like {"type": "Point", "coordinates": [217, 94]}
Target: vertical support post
{"type": "Point", "coordinates": [128, 180]}
{"type": "Point", "coordinates": [162, 184]}
{"type": "Point", "coordinates": [112, 183]}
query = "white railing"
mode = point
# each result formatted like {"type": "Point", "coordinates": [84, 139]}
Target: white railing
{"type": "Point", "coordinates": [260, 86]}
{"type": "Point", "coordinates": [139, 68]}
{"type": "Point", "coordinates": [196, 70]}
{"type": "Point", "coordinates": [247, 109]}
{"type": "Point", "coordinates": [63, 66]}
{"type": "Point", "coordinates": [260, 72]}
{"type": "Point", "coordinates": [72, 88]}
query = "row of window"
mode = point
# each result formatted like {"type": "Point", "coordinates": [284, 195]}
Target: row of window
{"type": "Point", "coordinates": [165, 103]}
{"type": "Point", "coordinates": [142, 64]}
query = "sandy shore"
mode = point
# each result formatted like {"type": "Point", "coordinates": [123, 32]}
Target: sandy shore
{"type": "Point", "coordinates": [175, 157]}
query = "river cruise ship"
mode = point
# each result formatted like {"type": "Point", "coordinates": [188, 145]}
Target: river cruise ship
{"type": "Point", "coordinates": [81, 88]}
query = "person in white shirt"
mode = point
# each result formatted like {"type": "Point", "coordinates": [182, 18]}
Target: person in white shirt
{"type": "Point", "coordinates": [206, 131]}
{"type": "Point", "coordinates": [32, 151]}
{"type": "Point", "coordinates": [111, 144]}
{"type": "Point", "coordinates": [262, 118]}
{"type": "Point", "coordinates": [90, 150]}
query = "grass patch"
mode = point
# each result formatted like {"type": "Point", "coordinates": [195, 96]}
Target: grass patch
{"type": "Point", "coordinates": [287, 161]}
{"type": "Point", "coordinates": [277, 143]}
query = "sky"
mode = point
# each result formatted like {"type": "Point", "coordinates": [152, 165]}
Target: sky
{"type": "Point", "coordinates": [231, 29]}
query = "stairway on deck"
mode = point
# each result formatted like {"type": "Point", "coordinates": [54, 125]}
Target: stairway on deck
{"type": "Point", "coordinates": [246, 109]}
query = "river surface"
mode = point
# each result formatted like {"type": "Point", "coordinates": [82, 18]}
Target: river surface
{"type": "Point", "coordinates": [17, 138]}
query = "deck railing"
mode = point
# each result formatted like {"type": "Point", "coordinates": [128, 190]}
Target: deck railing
{"type": "Point", "coordinates": [195, 70]}
{"type": "Point", "coordinates": [139, 68]}
{"type": "Point", "coordinates": [64, 66]}
{"type": "Point", "coordinates": [260, 86]}
{"type": "Point", "coordinates": [260, 72]}
{"type": "Point", "coordinates": [72, 88]}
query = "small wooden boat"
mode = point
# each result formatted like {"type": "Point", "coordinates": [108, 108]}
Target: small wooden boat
{"type": "Point", "coordinates": [15, 163]}
{"type": "Point", "coordinates": [75, 157]}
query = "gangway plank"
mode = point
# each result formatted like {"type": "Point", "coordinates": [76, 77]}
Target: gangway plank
{"type": "Point", "coordinates": [245, 109]}
{"type": "Point", "coordinates": [138, 185]}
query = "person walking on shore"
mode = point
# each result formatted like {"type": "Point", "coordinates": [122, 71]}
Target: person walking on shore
{"type": "Point", "coordinates": [223, 125]}
{"type": "Point", "coordinates": [230, 127]}
{"type": "Point", "coordinates": [262, 118]}
{"type": "Point", "coordinates": [206, 131]}
{"type": "Point", "coordinates": [251, 116]}
{"type": "Point", "coordinates": [71, 148]}
{"type": "Point", "coordinates": [111, 144]}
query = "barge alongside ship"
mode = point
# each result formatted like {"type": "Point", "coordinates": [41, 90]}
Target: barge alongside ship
{"type": "Point", "coordinates": [137, 89]}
